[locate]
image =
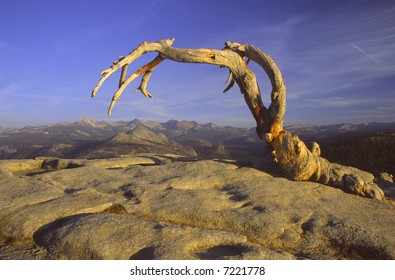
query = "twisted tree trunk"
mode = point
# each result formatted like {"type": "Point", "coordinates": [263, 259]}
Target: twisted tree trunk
{"type": "Point", "coordinates": [295, 159]}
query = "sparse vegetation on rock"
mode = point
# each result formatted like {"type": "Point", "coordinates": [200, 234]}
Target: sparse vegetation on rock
{"type": "Point", "coordinates": [372, 152]}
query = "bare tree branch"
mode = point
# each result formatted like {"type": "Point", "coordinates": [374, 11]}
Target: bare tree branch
{"type": "Point", "coordinates": [123, 75]}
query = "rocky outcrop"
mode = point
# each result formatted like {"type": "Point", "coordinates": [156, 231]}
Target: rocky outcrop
{"type": "Point", "coordinates": [171, 207]}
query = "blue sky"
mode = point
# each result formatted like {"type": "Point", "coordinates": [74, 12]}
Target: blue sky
{"type": "Point", "coordinates": [337, 59]}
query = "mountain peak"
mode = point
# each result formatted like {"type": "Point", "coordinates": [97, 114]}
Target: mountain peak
{"type": "Point", "coordinates": [89, 122]}
{"type": "Point", "coordinates": [179, 125]}
{"type": "Point", "coordinates": [211, 125]}
{"type": "Point", "coordinates": [142, 133]}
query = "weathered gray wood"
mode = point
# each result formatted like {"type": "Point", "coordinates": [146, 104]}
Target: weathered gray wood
{"type": "Point", "coordinates": [296, 160]}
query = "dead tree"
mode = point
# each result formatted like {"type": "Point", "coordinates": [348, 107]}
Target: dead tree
{"type": "Point", "coordinates": [294, 158]}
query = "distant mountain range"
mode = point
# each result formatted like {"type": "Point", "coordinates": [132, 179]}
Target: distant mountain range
{"type": "Point", "coordinates": [342, 130]}
{"type": "Point", "coordinates": [88, 138]}
{"type": "Point", "coordinates": [98, 139]}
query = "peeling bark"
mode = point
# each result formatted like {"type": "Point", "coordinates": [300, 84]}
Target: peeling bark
{"type": "Point", "coordinates": [296, 160]}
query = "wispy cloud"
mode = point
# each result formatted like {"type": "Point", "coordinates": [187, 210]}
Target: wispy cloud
{"type": "Point", "coordinates": [336, 102]}
{"type": "Point", "coordinates": [366, 54]}
{"type": "Point", "coordinates": [12, 90]}
{"type": "Point", "coordinates": [143, 107]}
{"type": "Point", "coordinates": [344, 60]}
{"type": "Point", "coordinates": [381, 113]}
{"type": "Point", "coordinates": [9, 89]}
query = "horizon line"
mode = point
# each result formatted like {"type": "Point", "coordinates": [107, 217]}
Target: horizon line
{"type": "Point", "coordinates": [185, 120]}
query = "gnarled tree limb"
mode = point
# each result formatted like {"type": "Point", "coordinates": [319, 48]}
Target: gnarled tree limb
{"type": "Point", "coordinates": [296, 160]}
